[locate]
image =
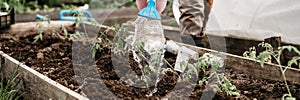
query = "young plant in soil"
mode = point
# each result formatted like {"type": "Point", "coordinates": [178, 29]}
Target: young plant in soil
{"type": "Point", "coordinates": [121, 46]}
{"type": "Point", "coordinates": [40, 30]}
{"type": "Point", "coordinates": [213, 62]}
{"type": "Point", "coordinates": [65, 36]}
{"type": "Point", "coordinates": [268, 53]}
{"type": "Point", "coordinates": [40, 33]}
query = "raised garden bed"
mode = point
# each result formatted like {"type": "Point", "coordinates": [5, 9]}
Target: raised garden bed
{"type": "Point", "coordinates": [52, 57]}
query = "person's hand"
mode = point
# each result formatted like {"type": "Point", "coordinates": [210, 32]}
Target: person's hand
{"type": "Point", "coordinates": [160, 4]}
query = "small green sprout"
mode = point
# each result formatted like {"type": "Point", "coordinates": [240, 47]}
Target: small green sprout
{"type": "Point", "coordinates": [97, 46]}
{"type": "Point", "coordinates": [40, 33]}
{"type": "Point", "coordinates": [227, 87]}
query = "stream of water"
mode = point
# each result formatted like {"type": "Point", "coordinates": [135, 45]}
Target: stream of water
{"type": "Point", "coordinates": [149, 45]}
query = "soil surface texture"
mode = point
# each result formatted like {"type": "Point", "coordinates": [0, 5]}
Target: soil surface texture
{"type": "Point", "coordinates": [53, 58]}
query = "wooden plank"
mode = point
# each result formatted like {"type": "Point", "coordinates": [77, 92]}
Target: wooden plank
{"type": "Point", "coordinates": [38, 86]}
{"type": "Point", "coordinates": [252, 67]}
{"type": "Point", "coordinates": [23, 29]}
{"type": "Point", "coordinates": [29, 17]}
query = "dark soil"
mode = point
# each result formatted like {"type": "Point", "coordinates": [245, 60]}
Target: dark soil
{"type": "Point", "coordinates": [53, 58]}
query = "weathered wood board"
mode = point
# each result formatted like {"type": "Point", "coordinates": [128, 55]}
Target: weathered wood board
{"type": "Point", "coordinates": [27, 17]}
{"type": "Point", "coordinates": [37, 86]}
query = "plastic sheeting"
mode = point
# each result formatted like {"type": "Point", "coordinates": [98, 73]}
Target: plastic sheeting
{"type": "Point", "coordinates": [256, 19]}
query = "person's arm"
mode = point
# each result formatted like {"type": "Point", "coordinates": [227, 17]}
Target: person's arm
{"type": "Point", "coordinates": [160, 4]}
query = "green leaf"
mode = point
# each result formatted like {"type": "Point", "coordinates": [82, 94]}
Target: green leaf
{"type": "Point", "coordinates": [182, 64]}
{"type": "Point", "coordinates": [232, 87]}
{"type": "Point", "coordinates": [41, 36]}
{"type": "Point", "coordinates": [94, 51]}
{"type": "Point", "coordinates": [116, 37]}
{"type": "Point", "coordinates": [191, 67]}
{"type": "Point", "coordinates": [263, 56]}
{"type": "Point", "coordinates": [294, 60]}
{"type": "Point", "coordinates": [121, 43]}
{"type": "Point", "coordinates": [246, 54]}
{"type": "Point", "coordinates": [287, 97]}
{"type": "Point", "coordinates": [214, 67]}
{"type": "Point", "coordinates": [203, 81]}
{"type": "Point", "coordinates": [36, 38]}
{"type": "Point", "coordinates": [97, 46]}
{"type": "Point", "coordinates": [65, 32]}
{"type": "Point", "coordinates": [235, 93]}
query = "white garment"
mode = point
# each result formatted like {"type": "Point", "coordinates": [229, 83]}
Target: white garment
{"type": "Point", "coordinates": [257, 19]}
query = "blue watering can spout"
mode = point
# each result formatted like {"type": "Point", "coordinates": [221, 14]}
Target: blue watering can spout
{"type": "Point", "coordinates": [150, 11]}
{"type": "Point", "coordinates": [151, 3]}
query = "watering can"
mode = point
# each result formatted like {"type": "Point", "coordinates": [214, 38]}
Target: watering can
{"type": "Point", "coordinates": [150, 11]}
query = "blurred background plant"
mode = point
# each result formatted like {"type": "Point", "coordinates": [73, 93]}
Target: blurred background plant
{"type": "Point", "coordinates": [9, 89]}
{"type": "Point", "coordinates": [112, 3]}
{"type": "Point", "coordinates": [30, 6]}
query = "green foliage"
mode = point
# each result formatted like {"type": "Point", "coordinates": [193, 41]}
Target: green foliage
{"type": "Point", "coordinates": [100, 42]}
{"type": "Point", "coordinates": [67, 35]}
{"type": "Point", "coordinates": [287, 97]}
{"type": "Point", "coordinates": [203, 81]}
{"type": "Point", "coordinates": [294, 61]}
{"type": "Point", "coordinates": [226, 86]}
{"type": "Point", "coordinates": [31, 6]}
{"type": "Point", "coordinates": [40, 33]}
{"type": "Point", "coordinates": [269, 53]}
{"type": "Point", "coordinates": [97, 46]}
{"type": "Point", "coordinates": [212, 63]}
{"type": "Point", "coordinates": [8, 89]}
{"type": "Point", "coordinates": [192, 70]}
{"type": "Point", "coordinates": [4, 5]}
{"type": "Point", "coordinates": [24, 6]}
{"type": "Point", "coordinates": [112, 3]}
{"type": "Point", "coordinates": [121, 42]}
{"type": "Point", "coordinates": [251, 53]}
{"type": "Point", "coordinates": [69, 6]}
